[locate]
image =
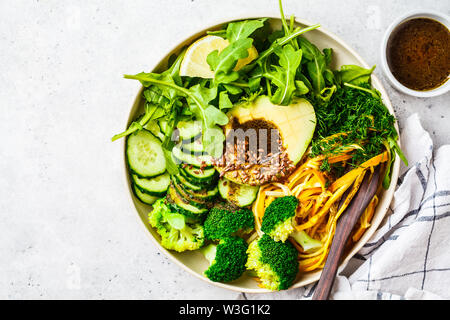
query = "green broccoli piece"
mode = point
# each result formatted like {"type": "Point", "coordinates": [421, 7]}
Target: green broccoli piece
{"type": "Point", "coordinates": [221, 223]}
{"type": "Point", "coordinates": [177, 232]}
{"type": "Point", "coordinates": [275, 262]}
{"type": "Point", "coordinates": [278, 218]}
{"type": "Point", "coordinates": [227, 259]}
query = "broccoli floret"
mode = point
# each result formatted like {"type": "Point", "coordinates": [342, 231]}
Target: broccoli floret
{"type": "Point", "coordinates": [278, 218]}
{"type": "Point", "coordinates": [227, 259]}
{"type": "Point", "coordinates": [275, 262]}
{"type": "Point", "coordinates": [221, 223]}
{"type": "Point", "coordinates": [177, 232]}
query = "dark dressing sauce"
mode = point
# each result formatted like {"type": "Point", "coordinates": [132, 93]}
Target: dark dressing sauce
{"type": "Point", "coordinates": [418, 54]}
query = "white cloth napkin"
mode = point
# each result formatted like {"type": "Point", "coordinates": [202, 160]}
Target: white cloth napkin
{"type": "Point", "coordinates": [409, 255]}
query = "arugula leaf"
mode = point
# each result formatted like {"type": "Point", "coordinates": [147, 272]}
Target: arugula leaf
{"type": "Point", "coordinates": [283, 19]}
{"type": "Point", "coordinates": [224, 101]}
{"type": "Point", "coordinates": [315, 69]}
{"type": "Point", "coordinates": [254, 84]}
{"type": "Point", "coordinates": [301, 88]}
{"type": "Point", "coordinates": [317, 66]}
{"type": "Point", "coordinates": [232, 89]}
{"type": "Point", "coordinates": [309, 50]}
{"type": "Point", "coordinates": [328, 53]}
{"type": "Point", "coordinates": [284, 76]}
{"type": "Point", "coordinates": [223, 63]}
{"type": "Point", "coordinates": [355, 74]}
{"type": "Point", "coordinates": [274, 36]}
{"type": "Point", "coordinates": [220, 33]}
{"type": "Point", "coordinates": [328, 75]}
{"type": "Point", "coordinates": [372, 91]}
{"type": "Point", "coordinates": [301, 77]}
{"type": "Point", "coordinates": [174, 70]}
{"type": "Point", "coordinates": [153, 95]}
{"type": "Point", "coordinates": [160, 100]}
{"type": "Point", "coordinates": [287, 29]}
{"type": "Point", "coordinates": [150, 110]}
{"type": "Point", "coordinates": [282, 41]}
{"type": "Point", "coordinates": [198, 99]}
{"type": "Point", "coordinates": [243, 29]}
{"type": "Point", "coordinates": [168, 92]}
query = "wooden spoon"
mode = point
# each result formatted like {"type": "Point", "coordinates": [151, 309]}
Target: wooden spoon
{"type": "Point", "coordinates": [344, 228]}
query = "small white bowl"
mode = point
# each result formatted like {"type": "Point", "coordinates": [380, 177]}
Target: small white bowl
{"type": "Point", "coordinates": [440, 17]}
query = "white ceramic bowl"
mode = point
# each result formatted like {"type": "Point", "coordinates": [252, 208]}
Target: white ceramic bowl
{"type": "Point", "coordinates": [442, 18]}
{"type": "Point", "coordinates": [194, 262]}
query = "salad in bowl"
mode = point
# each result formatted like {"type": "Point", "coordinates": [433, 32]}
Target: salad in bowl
{"type": "Point", "coordinates": [250, 146]}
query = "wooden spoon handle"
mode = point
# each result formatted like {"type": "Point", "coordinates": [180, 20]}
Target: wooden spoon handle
{"type": "Point", "coordinates": [344, 228]}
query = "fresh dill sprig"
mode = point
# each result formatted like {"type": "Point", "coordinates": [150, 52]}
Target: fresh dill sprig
{"type": "Point", "coordinates": [353, 116]}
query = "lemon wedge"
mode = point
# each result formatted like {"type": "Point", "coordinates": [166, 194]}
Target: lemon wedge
{"type": "Point", "coordinates": [194, 63]}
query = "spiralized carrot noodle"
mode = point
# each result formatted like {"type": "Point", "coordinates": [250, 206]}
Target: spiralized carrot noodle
{"type": "Point", "coordinates": [322, 200]}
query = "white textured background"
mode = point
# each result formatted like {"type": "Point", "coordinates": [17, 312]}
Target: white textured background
{"type": "Point", "coordinates": [67, 227]}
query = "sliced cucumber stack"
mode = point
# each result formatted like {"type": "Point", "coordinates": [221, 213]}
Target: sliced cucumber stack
{"type": "Point", "coordinates": [196, 202]}
{"type": "Point", "coordinates": [192, 191]}
{"type": "Point", "coordinates": [196, 182]}
{"type": "Point", "coordinates": [182, 206]}
{"type": "Point", "coordinates": [145, 155]}
{"type": "Point", "coordinates": [147, 164]}
{"type": "Point", "coordinates": [239, 194]}
{"type": "Point", "coordinates": [201, 194]}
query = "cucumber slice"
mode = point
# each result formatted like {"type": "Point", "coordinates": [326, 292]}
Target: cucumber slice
{"type": "Point", "coordinates": [145, 155]}
{"type": "Point", "coordinates": [183, 207]}
{"type": "Point", "coordinates": [156, 186]}
{"type": "Point", "coordinates": [189, 130]}
{"type": "Point", "coordinates": [239, 194]}
{"type": "Point", "coordinates": [194, 147]}
{"type": "Point", "coordinates": [197, 161]}
{"type": "Point", "coordinates": [154, 128]}
{"type": "Point", "coordinates": [143, 197]}
{"type": "Point", "coordinates": [200, 175]}
{"type": "Point", "coordinates": [186, 184]}
{"type": "Point", "coordinates": [205, 184]}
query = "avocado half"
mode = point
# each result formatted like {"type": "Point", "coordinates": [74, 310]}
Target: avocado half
{"type": "Point", "coordinates": [295, 123]}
